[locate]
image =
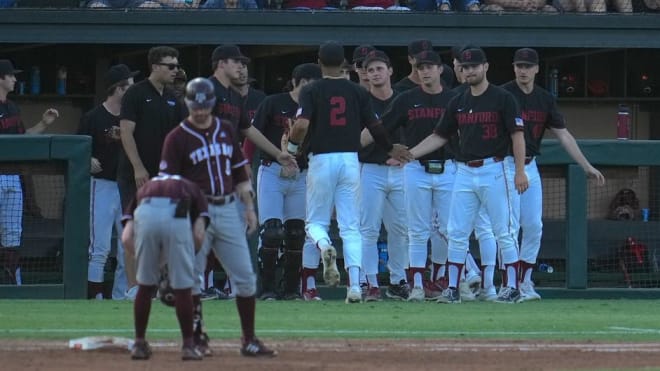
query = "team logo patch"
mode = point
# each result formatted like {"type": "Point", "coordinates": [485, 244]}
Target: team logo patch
{"type": "Point", "coordinates": [200, 98]}
{"type": "Point", "coordinates": [467, 55]}
{"type": "Point", "coordinates": [162, 165]}
{"type": "Point", "coordinates": [171, 103]}
{"type": "Point", "coordinates": [519, 122]}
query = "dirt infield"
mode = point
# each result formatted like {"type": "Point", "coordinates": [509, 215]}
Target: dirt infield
{"type": "Point", "coordinates": [346, 355]}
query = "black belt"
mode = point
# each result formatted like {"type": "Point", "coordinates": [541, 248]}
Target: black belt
{"type": "Point", "coordinates": [529, 159]}
{"type": "Point", "coordinates": [480, 163]}
{"type": "Point", "coordinates": [426, 162]}
{"type": "Point", "coordinates": [147, 200]}
{"type": "Point", "coordinates": [267, 163]}
{"type": "Point", "coordinates": [220, 200]}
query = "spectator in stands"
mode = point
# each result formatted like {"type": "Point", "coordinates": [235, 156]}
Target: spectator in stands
{"type": "Point", "coordinates": [11, 193]}
{"type": "Point", "coordinates": [121, 4]}
{"type": "Point", "coordinates": [7, 3]}
{"type": "Point", "coordinates": [102, 124]}
{"type": "Point", "coordinates": [230, 4]}
{"type": "Point", "coordinates": [653, 5]}
{"type": "Point", "coordinates": [375, 5]}
{"type": "Point", "coordinates": [520, 5]}
{"type": "Point", "coordinates": [581, 6]}
{"type": "Point", "coordinates": [308, 4]}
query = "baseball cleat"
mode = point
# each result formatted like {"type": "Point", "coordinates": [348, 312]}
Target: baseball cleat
{"type": "Point", "coordinates": [466, 291]}
{"type": "Point", "coordinates": [433, 289]}
{"type": "Point", "coordinates": [330, 271]}
{"type": "Point", "coordinates": [398, 292]}
{"type": "Point", "coordinates": [450, 296]}
{"type": "Point", "coordinates": [527, 292]}
{"type": "Point", "coordinates": [487, 294]}
{"type": "Point", "coordinates": [416, 294]}
{"type": "Point", "coordinates": [191, 353]}
{"type": "Point", "coordinates": [353, 295]}
{"type": "Point", "coordinates": [202, 344]}
{"type": "Point", "coordinates": [508, 295]}
{"type": "Point", "coordinates": [473, 281]}
{"type": "Point", "coordinates": [141, 351]}
{"type": "Point", "coordinates": [311, 295]}
{"type": "Point", "coordinates": [373, 294]}
{"type": "Point", "coordinates": [255, 348]}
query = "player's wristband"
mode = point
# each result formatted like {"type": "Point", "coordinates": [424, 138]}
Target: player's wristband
{"type": "Point", "coordinates": [292, 148]}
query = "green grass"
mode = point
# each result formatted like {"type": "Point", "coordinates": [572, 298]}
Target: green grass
{"type": "Point", "coordinates": [567, 320]}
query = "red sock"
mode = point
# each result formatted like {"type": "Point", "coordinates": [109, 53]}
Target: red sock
{"type": "Point", "coordinates": [436, 270]}
{"type": "Point", "coordinates": [525, 267]}
{"type": "Point", "coordinates": [141, 309]}
{"type": "Point", "coordinates": [184, 312]}
{"type": "Point", "coordinates": [246, 309]}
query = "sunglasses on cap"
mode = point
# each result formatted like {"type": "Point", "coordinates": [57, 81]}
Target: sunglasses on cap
{"type": "Point", "coordinates": [170, 66]}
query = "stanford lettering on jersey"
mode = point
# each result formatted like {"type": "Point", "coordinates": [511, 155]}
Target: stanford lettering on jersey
{"type": "Point", "coordinates": [228, 110]}
{"type": "Point", "coordinates": [425, 113]}
{"type": "Point", "coordinates": [470, 118]}
{"type": "Point", "coordinates": [535, 116]}
{"type": "Point", "coordinates": [213, 149]}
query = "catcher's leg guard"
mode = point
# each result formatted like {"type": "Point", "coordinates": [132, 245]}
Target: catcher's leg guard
{"type": "Point", "coordinates": [295, 240]}
{"type": "Point", "coordinates": [272, 235]}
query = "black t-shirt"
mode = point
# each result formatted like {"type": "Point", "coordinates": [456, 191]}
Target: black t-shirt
{"type": "Point", "coordinates": [460, 89]}
{"type": "Point", "coordinates": [373, 154]}
{"type": "Point", "coordinates": [229, 106]}
{"type": "Point", "coordinates": [97, 124]}
{"type": "Point", "coordinates": [417, 113]}
{"type": "Point", "coordinates": [404, 84]}
{"type": "Point", "coordinates": [154, 116]}
{"type": "Point", "coordinates": [252, 101]}
{"type": "Point", "coordinates": [337, 109]}
{"type": "Point", "coordinates": [484, 123]}
{"type": "Point", "coordinates": [10, 118]}
{"type": "Point", "coordinates": [539, 111]}
{"type": "Point", "coordinates": [272, 118]}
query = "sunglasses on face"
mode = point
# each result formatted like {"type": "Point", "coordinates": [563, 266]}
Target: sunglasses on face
{"type": "Point", "coordinates": [170, 66]}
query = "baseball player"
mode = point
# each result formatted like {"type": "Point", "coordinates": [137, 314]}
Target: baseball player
{"type": "Point", "coordinates": [359, 55]}
{"type": "Point", "coordinates": [11, 193]}
{"type": "Point", "coordinates": [166, 216]}
{"type": "Point", "coordinates": [332, 112]}
{"type": "Point", "coordinates": [428, 182]}
{"type": "Point", "coordinates": [412, 80]}
{"type": "Point", "coordinates": [488, 120]}
{"type": "Point", "coordinates": [149, 110]}
{"type": "Point", "coordinates": [281, 198]}
{"type": "Point", "coordinates": [102, 124]}
{"type": "Point", "coordinates": [205, 149]}
{"type": "Point", "coordinates": [539, 111]}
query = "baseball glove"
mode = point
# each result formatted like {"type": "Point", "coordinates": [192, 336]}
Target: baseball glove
{"type": "Point", "coordinates": [165, 291]}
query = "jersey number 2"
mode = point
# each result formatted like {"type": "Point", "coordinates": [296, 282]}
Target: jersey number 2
{"type": "Point", "coordinates": [337, 111]}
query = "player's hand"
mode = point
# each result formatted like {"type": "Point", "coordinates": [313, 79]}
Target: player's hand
{"type": "Point", "coordinates": [141, 177]}
{"type": "Point", "coordinates": [393, 162]}
{"type": "Point", "coordinates": [49, 116]}
{"type": "Point", "coordinates": [592, 172]}
{"type": "Point", "coordinates": [400, 153]}
{"type": "Point", "coordinates": [289, 172]}
{"type": "Point", "coordinates": [251, 220]}
{"type": "Point", "coordinates": [95, 166]}
{"type": "Point", "coordinates": [521, 182]}
{"type": "Point", "coordinates": [286, 159]}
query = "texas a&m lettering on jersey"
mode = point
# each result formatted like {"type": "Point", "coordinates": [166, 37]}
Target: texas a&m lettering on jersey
{"type": "Point", "coordinates": [539, 111]}
{"type": "Point", "coordinates": [209, 157]}
{"type": "Point", "coordinates": [483, 123]}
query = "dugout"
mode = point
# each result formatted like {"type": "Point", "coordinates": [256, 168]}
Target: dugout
{"type": "Point", "coordinates": [614, 49]}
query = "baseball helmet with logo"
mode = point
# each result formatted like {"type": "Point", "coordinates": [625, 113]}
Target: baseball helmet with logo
{"type": "Point", "coordinates": [200, 94]}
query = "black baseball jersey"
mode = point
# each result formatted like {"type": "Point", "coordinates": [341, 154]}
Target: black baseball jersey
{"type": "Point", "coordinates": [154, 116]}
{"type": "Point", "coordinates": [252, 101]}
{"type": "Point", "coordinates": [338, 110]}
{"type": "Point", "coordinates": [372, 154]}
{"type": "Point", "coordinates": [211, 157]}
{"type": "Point", "coordinates": [272, 118]}
{"type": "Point", "coordinates": [10, 118]}
{"type": "Point", "coordinates": [174, 187]}
{"type": "Point", "coordinates": [484, 124]}
{"type": "Point", "coordinates": [229, 105]}
{"type": "Point", "coordinates": [460, 89]}
{"type": "Point", "coordinates": [404, 84]}
{"type": "Point", "coordinates": [539, 111]}
{"type": "Point", "coordinates": [98, 124]}
{"type": "Point", "coordinates": [417, 113]}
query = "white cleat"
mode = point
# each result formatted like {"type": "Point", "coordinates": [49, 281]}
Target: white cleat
{"type": "Point", "coordinates": [417, 294]}
{"type": "Point", "coordinates": [330, 271]}
{"type": "Point", "coordinates": [487, 294]}
{"type": "Point", "coordinates": [466, 292]}
{"type": "Point", "coordinates": [353, 295]}
{"type": "Point", "coordinates": [527, 292]}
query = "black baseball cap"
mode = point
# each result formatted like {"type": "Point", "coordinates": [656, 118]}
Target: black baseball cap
{"type": "Point", "coordinates": [224, 52]}
{"type": "Point", "coordinates": [427, 57]}
{"type": "Point", "coordinates": [361, 52]}
{"type": "Point", "coordinates": [118, 73]}
{"type": "Point", "coordinates": [307, 71]}
{"type": "Point", "coordinates": [419, 46]}
{"type": "Point", "coordinates": [457, 49]}
{"type": "Point", "coordinates": [526, 56]}
{"type": "Point", "coordinates": [7, 68]}
{"type": "Point", "coordinates": [331, 54]}
{"type": "Point", "coordinates": [472, 56]}
{"type": "Point", "coordinates": [374, 56]}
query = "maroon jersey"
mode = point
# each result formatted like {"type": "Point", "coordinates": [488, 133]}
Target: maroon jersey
{"type": "Point", "coordinates": [211, 157]}
{"type": "Point", "coordinates": [175, 188]}
{"type": "Point", "coordinates": [10, 118]}
{"type": "Point", "coordinates": [484, 123]}
{"type": "Point", "coordinates": [539, 111]}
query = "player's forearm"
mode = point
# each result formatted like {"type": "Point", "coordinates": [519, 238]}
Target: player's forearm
{"type": "Point", "coordinates": [246, 194]}
{"type": "Point", "coordinates": [518, 141]}
{"type": "Point", "coordinates": [38, 128]}
{"type": "Point", "coordinates": [428, 145]}
{"type": "Point", "coordinates": [128, 142]}
{"type": "Point", "coordinates": [570, 145]}
{"type": "Point", "coordinates": [298, 131]}
{"type": "Point", "coordinates": [261, 141]}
